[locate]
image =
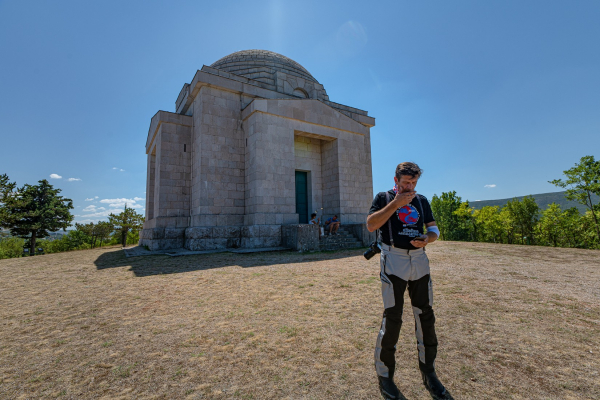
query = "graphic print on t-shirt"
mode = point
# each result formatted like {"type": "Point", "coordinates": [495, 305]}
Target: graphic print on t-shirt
{"type": "Point", "coordinates": [408, 214]}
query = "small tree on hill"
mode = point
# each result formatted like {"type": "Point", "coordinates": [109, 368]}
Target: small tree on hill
{"type": "Point", "coordinates": [103, 230]}
{"type": "Point", "coordinates": [96, 231]}
{"type": "Point", "coordinates": [582, 181]}
{"type": "Point", "coordinates": [33, 210]}
{"type": "Point", "coordinates": [128, 220]}
{"type": "Point", "coordinates": [6, 189]}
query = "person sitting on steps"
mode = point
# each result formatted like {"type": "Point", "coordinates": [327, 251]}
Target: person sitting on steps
{"type": "Point", "coordinates": [332, 225]}
{"type": "Point", "coordinates": [315, 221]}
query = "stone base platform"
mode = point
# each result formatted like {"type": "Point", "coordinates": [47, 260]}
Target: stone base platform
{"type": "Point", "coordinates": [201, 238]}
{"type": "Point", "coordinates": [139, 251]}
{"type": "Point", "coordinates": [300, 237]}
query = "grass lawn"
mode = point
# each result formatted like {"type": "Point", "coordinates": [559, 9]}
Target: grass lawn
{"type": "Point", "coordinates": [513, 322]}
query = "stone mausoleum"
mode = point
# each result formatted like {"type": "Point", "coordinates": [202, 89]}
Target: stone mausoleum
{"type": "Point", "coordinates": [254, 147]}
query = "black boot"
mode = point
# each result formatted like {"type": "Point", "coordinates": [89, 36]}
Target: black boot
{"type": "Point", "coordinates": [389, 390]}
{"type": "Point", "coordinates": [434, 386]}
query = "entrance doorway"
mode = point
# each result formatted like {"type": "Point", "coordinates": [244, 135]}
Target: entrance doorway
{"type": "Point", "coordinates": [302, 196]}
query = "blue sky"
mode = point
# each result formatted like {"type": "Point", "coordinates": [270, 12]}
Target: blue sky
{"type": "Point", "coordinates": [491, 99]}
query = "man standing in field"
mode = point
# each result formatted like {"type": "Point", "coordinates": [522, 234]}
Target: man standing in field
{"type": "Point", "coordinates": [401, 215]}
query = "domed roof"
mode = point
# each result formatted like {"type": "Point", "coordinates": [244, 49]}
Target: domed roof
{"type": "Point", "coordinates": [253, 64]}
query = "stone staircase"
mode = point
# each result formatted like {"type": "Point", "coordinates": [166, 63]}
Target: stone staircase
{"type": "Point", "coordinates": [343, 240]}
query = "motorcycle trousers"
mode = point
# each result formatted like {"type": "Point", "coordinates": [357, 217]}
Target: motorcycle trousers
{"type": "Point", "coordinates": [421, 298]}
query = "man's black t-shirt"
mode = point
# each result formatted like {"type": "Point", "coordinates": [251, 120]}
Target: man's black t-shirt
{"type": "Point", "coordinates": [407, 221]}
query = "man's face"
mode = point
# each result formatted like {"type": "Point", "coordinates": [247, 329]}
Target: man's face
{"type": "Point", "coordinates": [406, 183]}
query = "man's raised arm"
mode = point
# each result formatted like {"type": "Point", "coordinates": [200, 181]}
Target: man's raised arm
{"type": "Point", "coordinates": [378, 218]}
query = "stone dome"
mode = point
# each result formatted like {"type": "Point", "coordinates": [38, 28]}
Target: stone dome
{"type": "Point", "coordinates": [261, 65]}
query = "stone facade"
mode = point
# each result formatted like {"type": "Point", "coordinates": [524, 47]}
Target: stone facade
{"type": "Point", "coordinates": [221, 170]}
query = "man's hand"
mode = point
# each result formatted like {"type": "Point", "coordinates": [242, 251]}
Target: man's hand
{"type": "Point", "coordinates": [420, 241]}
{"type": "Point", "coordinates": [403, 199]}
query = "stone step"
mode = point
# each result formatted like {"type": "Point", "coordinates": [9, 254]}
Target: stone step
{"type": "Point", "coordinates": [342, 240]}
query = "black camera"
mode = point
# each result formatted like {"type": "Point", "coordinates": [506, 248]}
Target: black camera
{"type": "Point", "coordinates": [373, 249]}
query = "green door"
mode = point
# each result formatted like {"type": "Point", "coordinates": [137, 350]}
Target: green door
{"type": "Point", "coordinates": [302, 196]}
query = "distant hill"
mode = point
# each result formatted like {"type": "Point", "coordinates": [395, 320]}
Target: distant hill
{"type": "Point", "coordinates": [542, 200]}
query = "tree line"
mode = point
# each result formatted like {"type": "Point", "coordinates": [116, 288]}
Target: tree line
{"type": "Point", "coordinates": [522, 221]}
{"type": "Point", "coordinates": [31, 212]}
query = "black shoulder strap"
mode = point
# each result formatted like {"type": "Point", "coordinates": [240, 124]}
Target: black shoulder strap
{"type": "Point", "coordinates": [389, 221]}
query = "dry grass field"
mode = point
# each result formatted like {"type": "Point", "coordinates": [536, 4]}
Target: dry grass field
{"type": "Point", "coordinates": [513, 322]}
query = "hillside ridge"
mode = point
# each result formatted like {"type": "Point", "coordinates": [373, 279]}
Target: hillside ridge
{"type": "Point", "coordinates": [542, 200]}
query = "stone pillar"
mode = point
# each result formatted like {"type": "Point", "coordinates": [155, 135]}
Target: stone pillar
{"type": "Point", "coordinates": [150, 184]}
{"type": "Point", "coordinates": [168, 182]}
{"type": "Point", "coordinates": [270, 180]}
{"type": "Point", "coordinates": [331, 178]}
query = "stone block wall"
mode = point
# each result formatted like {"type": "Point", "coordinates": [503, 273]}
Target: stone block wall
{"type": "Point", "coordinates": [355, 182]}
{"type": "Point", "coordinates": [162, 238]}
{"type": "Point", "coordinates": [300, 237]}
{"type": "Point", "coordinates": [172, 176]}
{"type": "Point", "coordinates": [269, 175]}
{"type": "Point", "coordinates": [361, 232]}
{"type": "Point", "coordinates": [331, 176]}
{"type": "Point", "coordinates": [218, 168]}
{"type": "Point", "coordinates": [150, 184]}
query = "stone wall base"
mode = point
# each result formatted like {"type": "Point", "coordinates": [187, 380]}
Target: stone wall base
{"type": "Point", "coordinates": [162, 238]}
{"type": "Point", "coordinates": [212, 238]}
{"type": "Point", "coordinates": [300, 237]}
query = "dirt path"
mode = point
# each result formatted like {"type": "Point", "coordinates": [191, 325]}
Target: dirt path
{"type": "Point", "coordinates": [513, 322]}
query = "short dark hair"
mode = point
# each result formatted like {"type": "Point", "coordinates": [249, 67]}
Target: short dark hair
{"type": "Point", "coordinates": [408, 168]}
{"type": "Point", "coordinates": [313, 215]}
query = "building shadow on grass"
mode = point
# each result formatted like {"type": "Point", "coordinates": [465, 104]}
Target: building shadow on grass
{"type": "Point", "coordinates": [163, 264]}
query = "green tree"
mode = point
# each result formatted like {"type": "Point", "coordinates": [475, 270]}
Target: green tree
{"type": "Point", "coordinates": [6, 189]}
{"type": "Point", "coordinates": [87, 232]}
{"type": "Point", "coordinates": [465, 223]}
{"type": "Point", "coordinates": [524, 215]}
{"type": "Point", "coordinates": [489, 224]}
{"type": "Point", "coordinates": [33, 210]}
{"type": "Point", "coordinates": [96, 232]}
{"type": "Point", "coordinates": [574, 226]}
{"type": "Point", "coordinates": [103, 229]}
{"type": "Point", "coordinates": [582, 181]}
{"type": "Point", "coordinates": [443, 208]}
{"type": "Point", "coordinates": [551, 226]}
{"type": "Point", "coordinates": [128, 220]}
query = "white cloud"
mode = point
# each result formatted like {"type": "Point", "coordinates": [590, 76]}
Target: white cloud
{"type": "Point", "coordinates": [115, 168]}
{"type": "Point", "coordinates": [121, 170]}
{"type": "Point", "coordinates": [118, 169]}
{"type": "Point", "coordinates": [95, 212]}
{"type": "Point", "coordinates": [120, 203]}
{"type": "Point", "coordinates": [55, 176]}
{"type": "Point", "coordinates": [74, 179]}
{"type": "Point", "coordinates": [490, 186]}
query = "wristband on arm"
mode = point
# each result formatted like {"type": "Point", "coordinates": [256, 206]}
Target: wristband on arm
{"type": "Point", "coordinates": [433, 229]}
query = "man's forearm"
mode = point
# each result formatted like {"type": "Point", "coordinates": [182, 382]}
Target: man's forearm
{"type": "Point", "coordinates": [377, 219]}
{"type": "Point", "coordinates": [432, 237]}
